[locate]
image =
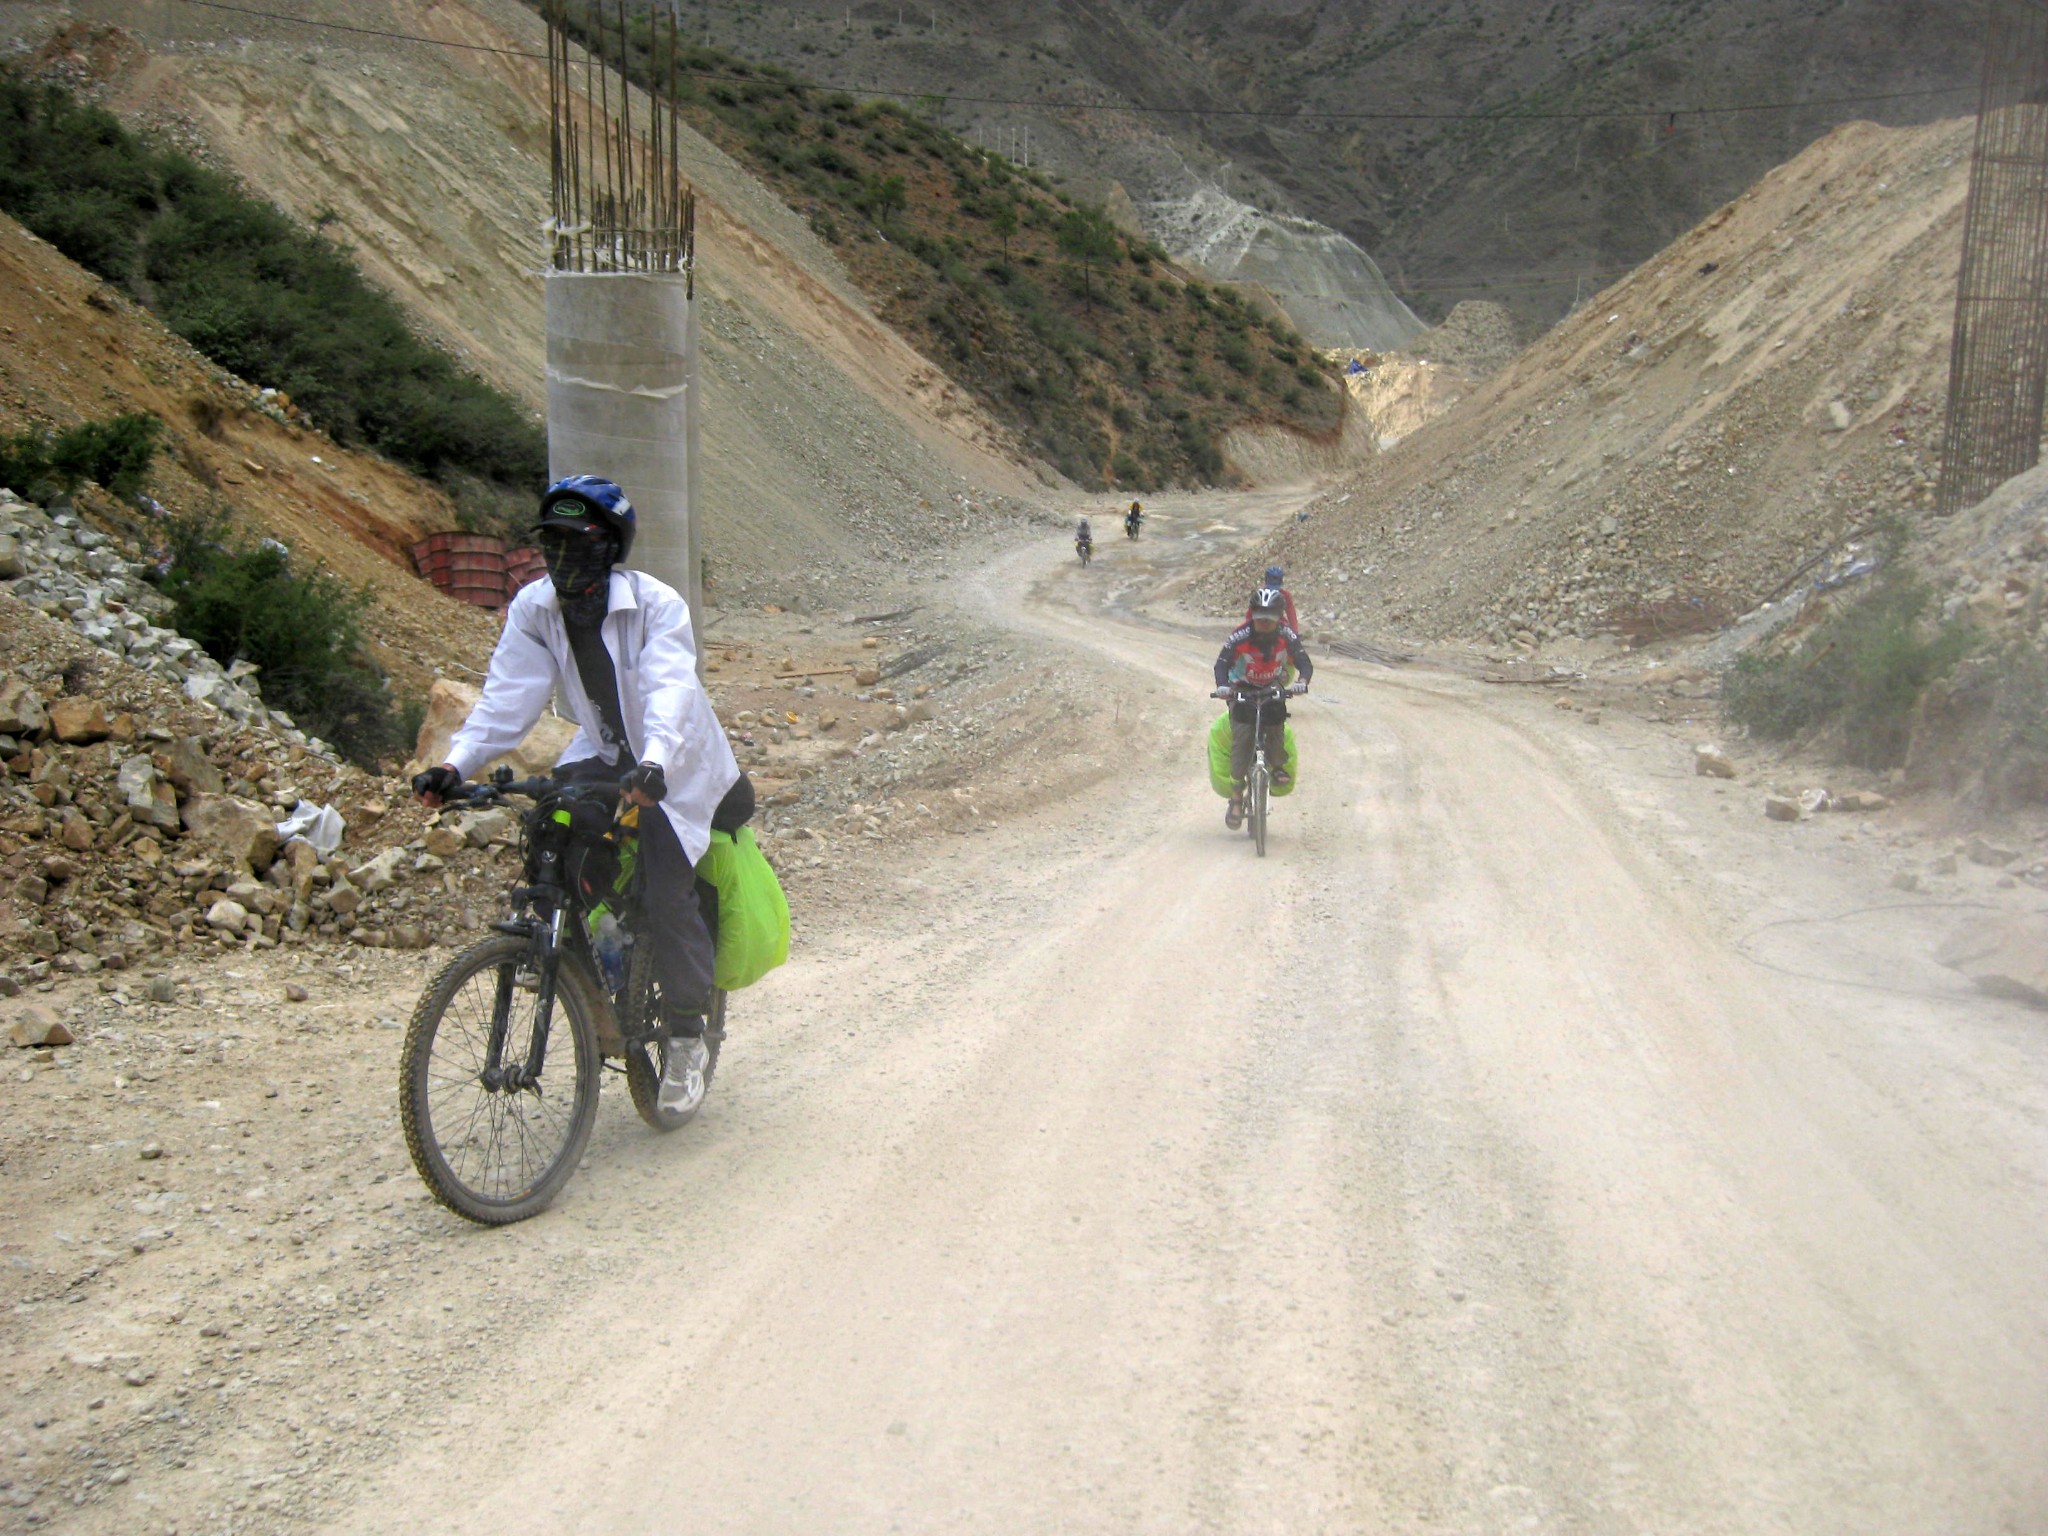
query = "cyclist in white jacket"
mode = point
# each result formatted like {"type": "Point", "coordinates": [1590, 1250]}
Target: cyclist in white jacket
{"type": "Point", "coordinates": [617, 646]}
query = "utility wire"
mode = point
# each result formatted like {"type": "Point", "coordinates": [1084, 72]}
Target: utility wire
{"type": "Point", "coordinates": [1303, 115]}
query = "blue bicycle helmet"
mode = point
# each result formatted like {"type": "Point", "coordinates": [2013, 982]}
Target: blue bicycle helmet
{"type": "Point", "coordinates": [582, 500]}
{"type": "Point", "coordinates": [1275, 576]}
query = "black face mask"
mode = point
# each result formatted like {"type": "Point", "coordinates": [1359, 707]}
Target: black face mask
{"type": "Point", "coordinates": [580, 567]}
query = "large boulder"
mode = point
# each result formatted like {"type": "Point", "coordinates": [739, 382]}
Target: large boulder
{"type": "Point", "coordinates": [449, 704]}
{"type": "Point", "coordinates": [2006, 956]}
{"type": "Point", "coordinates": [240, 832]}
{"type": "Point", "coordinates": [21, 708]}
{"type": "Point", "coordinates": [79, 721]}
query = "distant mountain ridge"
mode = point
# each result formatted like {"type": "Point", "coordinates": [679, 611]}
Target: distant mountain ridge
{"type": "Point", "coordinates": [1532, 211]}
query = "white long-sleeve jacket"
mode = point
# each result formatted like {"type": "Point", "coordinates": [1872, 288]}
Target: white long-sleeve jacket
{"type": "Point", "coordinates": [668, 718]}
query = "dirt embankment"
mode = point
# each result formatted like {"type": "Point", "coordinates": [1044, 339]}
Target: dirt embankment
{"type": "Point", "coordinates": [1768, 385]}
{"type": "Point", "coordinates": [73, 348]}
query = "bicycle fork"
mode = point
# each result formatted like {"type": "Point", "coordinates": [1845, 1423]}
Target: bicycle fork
{"type": "Point", "coordinates": [496, 1077]}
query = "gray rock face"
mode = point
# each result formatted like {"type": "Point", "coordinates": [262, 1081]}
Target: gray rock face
{"type": "Point", "coordinates": [380, 874]}
{"type": "Point", "coordinates": [191, 770]}
{"type": "Point", "coordinates": [1332, 290]}
{"type": "Point", "coordinates": [146, 797]}
{"type": "Point", "coordinates": [73, 573]}
{"type": "Point", "coordinates": [481, 827]}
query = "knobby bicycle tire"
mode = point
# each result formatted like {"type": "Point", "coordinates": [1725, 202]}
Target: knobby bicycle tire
{"type": "Point", "coordinates": [643, 1058]}
{"type": "Point", "coordinates": [1258, 816]}
{"type": "Point", "coordinates": [571, 1035]}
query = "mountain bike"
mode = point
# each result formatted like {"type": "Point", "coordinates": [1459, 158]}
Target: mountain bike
{"type": "Point", "coordinates": [1085, 548]}
{"type": "Point", "coordinates": [1133, 522]}
{"type": "Point", "coordinates": [1258, 782]}
{"type": "Point", "coordinates": [494, 1122]}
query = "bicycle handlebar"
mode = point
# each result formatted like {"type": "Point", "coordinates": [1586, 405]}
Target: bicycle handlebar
{"type": "Point", "coordinates": [1252, 690]}
{"type": "Point", "coordinates": [502, 785]}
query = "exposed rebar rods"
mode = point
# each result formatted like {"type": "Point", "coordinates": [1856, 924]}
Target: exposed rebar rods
{"type": "Point", "coordinates": [1998, 363]}
{"type": "Point", "coordinates": [621, 203]}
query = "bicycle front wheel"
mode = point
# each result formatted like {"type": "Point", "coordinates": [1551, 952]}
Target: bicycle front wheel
{"type": "Point", "coordinates": [491, 1152]}
{"type": "Point", "coordinates": [1257, 818]}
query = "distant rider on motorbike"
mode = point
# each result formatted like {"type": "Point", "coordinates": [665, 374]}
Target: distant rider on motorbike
{"type": "Point", "coordinates": [1134, 519]}
{"type": "Point", "coordinates": [1259, 654]}
{"type": "Point", "coordinates": [1084, 541]}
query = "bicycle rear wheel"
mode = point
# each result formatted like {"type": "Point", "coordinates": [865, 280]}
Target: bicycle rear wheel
{"type": "Point", "coordinates": [647, 1059]}
{"type": "Point", "coordinates": [498, 1155]}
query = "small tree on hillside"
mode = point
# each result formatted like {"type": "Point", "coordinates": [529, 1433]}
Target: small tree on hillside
{"type": "Point", "coordinates": [888, 195]}
{"type": "Point", "coordinates": [1087, 236]}
{"type": "Point", "coordinates": [1004, 222]}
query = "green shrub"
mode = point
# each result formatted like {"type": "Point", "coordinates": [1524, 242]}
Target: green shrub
{"type": "Point", "coordinates": [245, 602]}
{"type": "Point", "coordinates": [115, 454]}
{"type": "Point", "coordinates": [1864, 669]}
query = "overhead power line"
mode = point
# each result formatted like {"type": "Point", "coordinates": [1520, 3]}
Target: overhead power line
{"type": "Point", "coordinates": [1269, 114]}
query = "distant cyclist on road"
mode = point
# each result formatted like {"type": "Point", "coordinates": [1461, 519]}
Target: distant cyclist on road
{"type": "Point", "coordinates": [1134, 520]}
{"type": "Point", "coordinates": [1084, 541]}
{"type": "Point", "coordinates": [1274, 579]}
{"type": "Point", "coordinates": [1259, 654]}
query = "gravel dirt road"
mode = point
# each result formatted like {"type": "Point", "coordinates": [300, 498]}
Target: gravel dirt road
{"type": "Point", "coordinates": [1529, 1143]}
{"type": "Point", "coordinates": [1539, 1139]}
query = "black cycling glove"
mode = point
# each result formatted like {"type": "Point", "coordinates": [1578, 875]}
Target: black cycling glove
{"type": "Point", "coordinates": [440, 782]}
{"type": "Point", "coordinates": [649, 780]}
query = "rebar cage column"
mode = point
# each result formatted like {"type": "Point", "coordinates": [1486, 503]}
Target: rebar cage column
{"type": "Point", "coordinates": [621, 282]}
{"type": "Point", "coordinates": [1998, 362]}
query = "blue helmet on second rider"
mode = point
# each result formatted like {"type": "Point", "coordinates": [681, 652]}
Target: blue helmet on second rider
{"type": "Point", "coordinates": [1275, 577]}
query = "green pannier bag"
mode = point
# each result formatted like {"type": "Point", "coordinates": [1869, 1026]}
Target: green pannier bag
{"type": "Point", "coordinates": [1219, 757]}
{"type": "Point", "coordinates": [753, 914]}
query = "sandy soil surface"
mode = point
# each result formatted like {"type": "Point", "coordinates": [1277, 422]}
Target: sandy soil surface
{"type": "Point", "coordinates": [1536, 1140]}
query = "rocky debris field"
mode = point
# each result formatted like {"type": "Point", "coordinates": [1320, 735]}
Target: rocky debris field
{"type": "Point", "coordinates": [98, 583]}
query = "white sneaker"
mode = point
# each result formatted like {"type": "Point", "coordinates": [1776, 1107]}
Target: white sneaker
{"type": "Point", "coordinates": [682, 1076]}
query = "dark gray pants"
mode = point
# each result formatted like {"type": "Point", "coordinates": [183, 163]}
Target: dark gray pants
{"type": "Point", "coordinates": [677, 911]}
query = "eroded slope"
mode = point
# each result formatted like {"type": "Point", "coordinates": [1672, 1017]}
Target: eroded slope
{"type": "Point", "coordinates": [1765, 387]}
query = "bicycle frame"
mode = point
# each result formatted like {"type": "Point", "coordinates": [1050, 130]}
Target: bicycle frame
{"type": "Point", "coordinates": [548, 903]}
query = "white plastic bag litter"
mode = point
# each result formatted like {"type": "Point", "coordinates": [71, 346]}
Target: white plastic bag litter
{"type": "Point", "coordinates": [320, 825]}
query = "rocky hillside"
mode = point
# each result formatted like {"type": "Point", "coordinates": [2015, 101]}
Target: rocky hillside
{"type": "Point", "coordinates": [1104, 357]}
{"type": "Point", "coordinates": [830, 449]}
{"type": "Point", "coordinates": [74, 349]}
{"type": "Point", "coordinates": [1691, 444]}
{"type": "Point", "coordinates": [1525, 212]}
